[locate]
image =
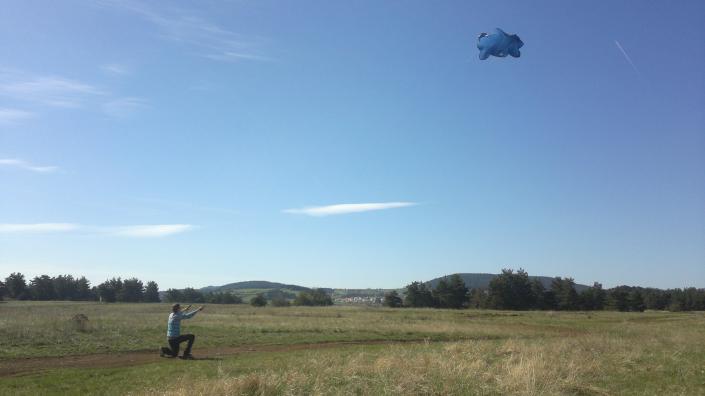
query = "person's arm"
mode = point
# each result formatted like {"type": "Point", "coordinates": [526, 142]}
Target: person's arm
{"type": "Point", "coordinates": [189, 315]}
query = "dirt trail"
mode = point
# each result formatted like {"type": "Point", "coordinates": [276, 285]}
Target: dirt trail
{"type": "Point", "coordinates": [23, 366]}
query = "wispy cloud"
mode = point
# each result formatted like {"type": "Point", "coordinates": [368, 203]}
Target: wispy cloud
{"type": "Point", "coordinates": [347, 208]}
{"type": "Point", "coordinates": [37, 228]}
{"type": "Point", "coordinates": [134, 231]}
{"type": "Point", "coordinates": [60, 92]}
{"type": "Point", "coordinates": [124, 107]}
{"type": "Point", "coordinates": [116, 69]}
{"type": "Point", "coordinates": [18, 163]}
{"type": "Point", "coordinates": [186, 27]}
{"type": "Point", "coordinates": [627, 57]}
{"type": "Point", "coordinates": [46, 90]}
{"type": "Point", "coordinates": [152, 231]}
{"type": "Point", "coordinates": [13, 116]}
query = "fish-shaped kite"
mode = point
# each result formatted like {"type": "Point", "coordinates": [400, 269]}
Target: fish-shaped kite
{"type": "Point", "coordinates": [499, 44]}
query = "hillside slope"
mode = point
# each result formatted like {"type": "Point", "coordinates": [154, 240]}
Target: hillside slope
{"type": "Point", "coordinates": [265, 285]}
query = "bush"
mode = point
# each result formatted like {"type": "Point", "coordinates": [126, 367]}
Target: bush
{"type": "Point", "coordinates": [258, 301]}
{"type": "Point", "coordinates": [317, 297]}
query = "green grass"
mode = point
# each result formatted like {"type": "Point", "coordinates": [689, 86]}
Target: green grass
{"type": "Point", "coordinates": [45, 328]}
{"type": "Point", "coordinates": [483, 352]}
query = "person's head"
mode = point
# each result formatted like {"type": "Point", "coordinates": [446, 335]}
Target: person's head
{"type": "Point", "coordinates": [176, 307]}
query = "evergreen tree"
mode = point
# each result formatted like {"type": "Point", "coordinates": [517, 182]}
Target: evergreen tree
{"type": "Point", "coordinates": [109, 290]}
{"type": "Point", "coordinates": [566, 296]}
{"type": "Point", "coordinates": [191, 295]}
{"type": "Point", "coordinates": [636, 301]}
{"type": "Point", "coordinates": [64, 287]}
{"type": "Point", "coordinates": [41, 288]}
{"type": "Point", "coordinates": [538, 291]}
{"type": "Point", "coordinates": [16, 286]}
{"type": "Point", "coordinates": [132, 290]}
{"type": "Point", "coordinates": [317, 297]}
{"type": "Point", "coordinates": [418, 295]}
{"type": "Point", "coordinates": [83, 289]}
{"type": "Point", "coordinates": [694, 299]}
{"type": "Point", "coordinates": [618, 298]}
{"type": "Point", "coordinates": [151, 292]}
{"type": "Point", "coordinates": [450, 292]}
{"type": "Point", "coordinates": [392, 299]}
{"type": "Point", "coordinates": [593, 298]}
{"type": "Point", "coordinates": [258, 301]}
{"type": "Point", "coordinates": [522, 290]}
{"type": "Point", "coordinates": [174, 296]}
{"type": "Point", "coordinates": [677, 301]}
{"type": "Point", "coordinates": [441, 294]}
{"type": "Point", "coordinates": [510, 290]}
{"type": "Point", "coordinates": [478, 298]}
{"type": "Point", "coordinates": [656, 299]}
{"type": "Point", "coordinates": [458, 292]}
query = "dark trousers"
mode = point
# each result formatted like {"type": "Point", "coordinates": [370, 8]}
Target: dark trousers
{"type": "Point", "coordinates": [175, 342]}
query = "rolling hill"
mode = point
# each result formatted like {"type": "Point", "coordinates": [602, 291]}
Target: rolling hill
{"type": "Point", "coordinates": [248, 289]}
{"type": "Point", "coordinates": [264, 285]}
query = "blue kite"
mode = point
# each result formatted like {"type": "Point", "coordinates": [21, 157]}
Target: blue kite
{"type": "Point", "coordinates": [499, 44]}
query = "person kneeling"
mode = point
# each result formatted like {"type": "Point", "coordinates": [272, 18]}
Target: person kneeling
{"type": "Point", "coordinates": [173, 332]}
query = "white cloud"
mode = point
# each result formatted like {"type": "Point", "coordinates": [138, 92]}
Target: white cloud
{"type": "Point", "coordinates": [347, 208]}
{"type": "Point", "coordinates": [17, 163]}
{"type": "Point", "coordinates": [186, 27]}
{"type": "Point", "coordinates": [136, 231]}
{"type": "Point", "coordinates": [124, 107]}
{"type": "Point", "coordinates": [115, 68]}
{"type": "Point", "coordinates": [152, 231]}
{"type": "Point", "coordinates": [46, 90]}
{"type": "Point", "coordinates": [37, 228]}
{"type": "Point", "coordinates": [13, 116]}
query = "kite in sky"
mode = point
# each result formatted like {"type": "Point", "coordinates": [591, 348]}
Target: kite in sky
{"type": "Point", "coordinates": [499, 44]}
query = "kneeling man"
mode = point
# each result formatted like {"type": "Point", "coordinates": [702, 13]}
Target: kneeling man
{"type": "Point", "coordinates": [173, 332]}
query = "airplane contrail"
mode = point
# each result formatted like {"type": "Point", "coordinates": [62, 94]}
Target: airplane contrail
{"type": "Point", "coordinates": [627, 57]}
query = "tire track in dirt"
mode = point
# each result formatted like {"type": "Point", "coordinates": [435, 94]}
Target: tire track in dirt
{"type": "Point", "coordinates": [25, 366]}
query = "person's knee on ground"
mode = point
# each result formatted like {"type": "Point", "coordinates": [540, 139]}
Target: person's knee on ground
{"type": "Point", "coordinates": [174, 347]}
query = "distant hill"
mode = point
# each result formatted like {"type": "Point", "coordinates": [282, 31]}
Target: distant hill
{"type": "Point", "coordinates": [248, 289]}
{"type": "Point", "coordinates": [264, 285]}
{"type": "Point", "coordinates": [482, 281]}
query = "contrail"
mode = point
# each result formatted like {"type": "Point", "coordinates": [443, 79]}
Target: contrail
{"type": "Point", "coordinates": [627, 57]}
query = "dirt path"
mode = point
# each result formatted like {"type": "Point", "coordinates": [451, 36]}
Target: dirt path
{"type": "Point", "coordinates": [23, 366]}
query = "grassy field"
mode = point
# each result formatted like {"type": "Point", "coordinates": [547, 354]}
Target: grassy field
{"type": "Point", "coordinates": [453, 352]}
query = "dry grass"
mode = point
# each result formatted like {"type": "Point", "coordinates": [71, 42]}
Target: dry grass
{"type": "Point", "coordinates": [588, 364]}
{"type": "Point", "coordinates": [480, 352]}
{"type": "Point", "coordinates": [47, 328]}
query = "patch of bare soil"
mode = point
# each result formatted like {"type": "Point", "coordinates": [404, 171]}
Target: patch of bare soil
{"type": "Point", "coordinates": [23, 366]}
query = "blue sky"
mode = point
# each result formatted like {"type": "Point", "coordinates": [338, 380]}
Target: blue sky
{"type": "Point", "coordinates": [352, 144]}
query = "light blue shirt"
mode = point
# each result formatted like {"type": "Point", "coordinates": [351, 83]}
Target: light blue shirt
{"type": "Point", "coordinates": [174, 326]}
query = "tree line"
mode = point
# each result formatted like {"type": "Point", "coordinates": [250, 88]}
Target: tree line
{"type": "Point", "coordinates": [191, 295]}
{"type": "Point", "coordinates": [509, 290]}
{"type": "Point", "coordinates": [69, 288]}
{"type": "Point", "coordinates": [512, 290]}
{"type": "Point", "coordinates": [277, 298]}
